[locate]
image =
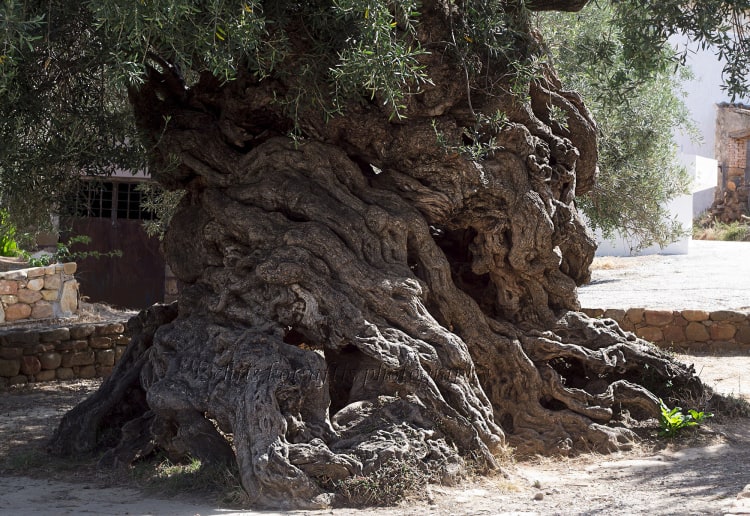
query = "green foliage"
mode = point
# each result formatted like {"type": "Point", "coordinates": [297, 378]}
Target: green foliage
{"type": "Point", "coordinates": [736, 232]}
{"type": "Point", "coordinates": [719, 24]}
{"type": "Point", "coordinates": [357, 46]}
{"type": "Point", "coordinates": [637, 114]}
{"type": "Point", "coordinates": [707, 228]}
{"type": "Point", "coordinates": [66, 69]}
{"type": "Point", "coordinates": [65, 253]}
{"type": "Point", "coordinates": [19, 35]}
{"type": "Point", "coordinates": [8, 244]}
{"type": "Point", "coordinates": [490, 29]}
{"type": "Point", "coordinates": [673, 420]}
{"type": "Point", "coordinates": [162, 203]}
{"type": "Point", "coordinates": [59, 117]}
{"type": "Point", "coordinates": [378, 58]}
{"type": "Point", "coordinates": [214, 36]}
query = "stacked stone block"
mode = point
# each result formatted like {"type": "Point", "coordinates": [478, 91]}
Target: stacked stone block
{"type": "Point", "coordinates": [38, 293]}
{"type": "Point", "coordinates": [695, 330]}
{"type": "Point", "coordinates": [8, 263]}
{"type": "Point", "coordinates": [88, 350]}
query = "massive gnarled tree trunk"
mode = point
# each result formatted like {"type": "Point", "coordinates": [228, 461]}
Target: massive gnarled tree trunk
{"type": "Point", "coordinates": [374, 291]}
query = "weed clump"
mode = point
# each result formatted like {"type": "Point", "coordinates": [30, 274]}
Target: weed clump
{"type": "Point", "coordinates": [672, 420]}
{"type": "Point", "coordinates": [709, 229]}
{"type": "Point", "coordinates": [386, 486]}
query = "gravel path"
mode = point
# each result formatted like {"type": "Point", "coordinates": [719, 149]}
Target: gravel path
{"type": "Point", "coordinates": [712, 276]}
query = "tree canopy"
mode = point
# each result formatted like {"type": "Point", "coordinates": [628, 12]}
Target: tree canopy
{"type": "Point", "coordinates": [637, 114]}
{"type": "Point", "coordinates": [65, 68]}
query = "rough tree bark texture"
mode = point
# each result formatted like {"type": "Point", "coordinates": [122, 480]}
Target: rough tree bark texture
{"type": "Point", "coordinates": [368, 294]}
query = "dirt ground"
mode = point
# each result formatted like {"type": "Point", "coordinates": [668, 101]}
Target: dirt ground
{"type": "Point", "coordinates": [714, 275]}
{"type": "Point", "coordinates": [702, 473]}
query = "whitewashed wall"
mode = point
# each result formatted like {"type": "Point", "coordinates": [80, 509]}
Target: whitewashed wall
{"type": "Point", "coordinates": [685, 208]}
{"type": "Point", "coordinates": [702, 94]}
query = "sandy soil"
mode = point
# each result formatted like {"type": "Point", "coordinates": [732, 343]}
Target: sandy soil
{"type": "Point", "coordinates": [703, 473]}
{"type": "Point", "coordinates": [712, 276]}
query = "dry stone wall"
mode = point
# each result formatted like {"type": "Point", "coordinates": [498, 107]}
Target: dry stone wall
{"type": "Point", "coordinates": [90, 350]}
{"type": "Point", "coordinates": [87, 350]}
{"type": "Point", "coordinates": [8, 263]}
{"type": "Point", "coordinates": [684, 330]}
{"type": "Point", "coordinates": [38, 293]}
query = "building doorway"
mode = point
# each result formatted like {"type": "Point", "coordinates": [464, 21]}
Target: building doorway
{"type": "Point", "coordinates": [110, 213]}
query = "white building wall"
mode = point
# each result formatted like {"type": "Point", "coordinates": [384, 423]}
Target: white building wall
{"type": "Point", "coordinates": [683, 208]}
{"type": "Point", "coordinates": [701, 95]}
{"type": "Point", "coordinates": [704, 173]}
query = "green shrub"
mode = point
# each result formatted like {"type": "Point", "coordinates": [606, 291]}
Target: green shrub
{"type": "Point", "coordinates": [673, 420]}
{"type": "Point", "coordinates": [8, 244]}
{"type": "Point", "coordinates": [707, 229]}
{"type": "Point", "coordinates": [735, 232]}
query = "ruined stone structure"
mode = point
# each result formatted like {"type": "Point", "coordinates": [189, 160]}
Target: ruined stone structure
{"type": "Point", "coordinates": [732, 141]}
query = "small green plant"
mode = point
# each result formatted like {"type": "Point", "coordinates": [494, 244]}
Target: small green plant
{"type": "Point", "coordinates": [64, 253]}
{"type": "Point", "coordinates": [673, 420]}
{"type": "Point", "coordinates": [8, 244]}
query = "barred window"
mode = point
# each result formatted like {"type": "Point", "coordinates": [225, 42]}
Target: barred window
{"type": "Point", "coordinates": [109, 200]}
{"type": "Point", "coordinates": [129, 203]}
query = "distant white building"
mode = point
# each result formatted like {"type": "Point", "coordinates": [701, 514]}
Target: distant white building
{"type": "Point", "coordinates": [702, 94]}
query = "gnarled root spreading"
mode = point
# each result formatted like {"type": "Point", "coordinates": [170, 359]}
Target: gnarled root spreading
{"type": "Point", "coordinates": [322, 334]}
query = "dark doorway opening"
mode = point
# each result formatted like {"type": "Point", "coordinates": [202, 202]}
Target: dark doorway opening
{"type": "Point", "coordinates": [110, 213]}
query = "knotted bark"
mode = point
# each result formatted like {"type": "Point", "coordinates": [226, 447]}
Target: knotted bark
{"type": "Point", "coordinates": [378, 291]}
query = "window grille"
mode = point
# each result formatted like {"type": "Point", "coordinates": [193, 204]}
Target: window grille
{"type": "Point", "coordinates": [109, 200]}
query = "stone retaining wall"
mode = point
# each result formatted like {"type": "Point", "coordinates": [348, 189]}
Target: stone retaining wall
{"type": "Point", "coordinates": [90, 350]}
{"type": "Point", "coordinates": [8, 263]}
{"type": "Point", "coordinates": [86, 350]}
{"type": "Point", "coordinates": [38, 293]}
{"type": "Point", "coordinates": [694, 330]}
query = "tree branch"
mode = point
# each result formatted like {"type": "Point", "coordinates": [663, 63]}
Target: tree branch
{"type": "Point", "coordinates": [556, 5]}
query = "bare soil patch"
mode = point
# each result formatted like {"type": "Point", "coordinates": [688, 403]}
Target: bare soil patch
{"type": "Point", "coordinates": [703, 472]}
{"type": "Point", "coordinates": [712, 276]}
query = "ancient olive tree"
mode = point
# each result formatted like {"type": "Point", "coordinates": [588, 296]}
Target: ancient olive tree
{"type": "Point", "coordinates": [378, 245]}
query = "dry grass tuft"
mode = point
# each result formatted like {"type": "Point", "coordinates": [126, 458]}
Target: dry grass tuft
{"type": "Point", "coordinates": [607, 263]}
